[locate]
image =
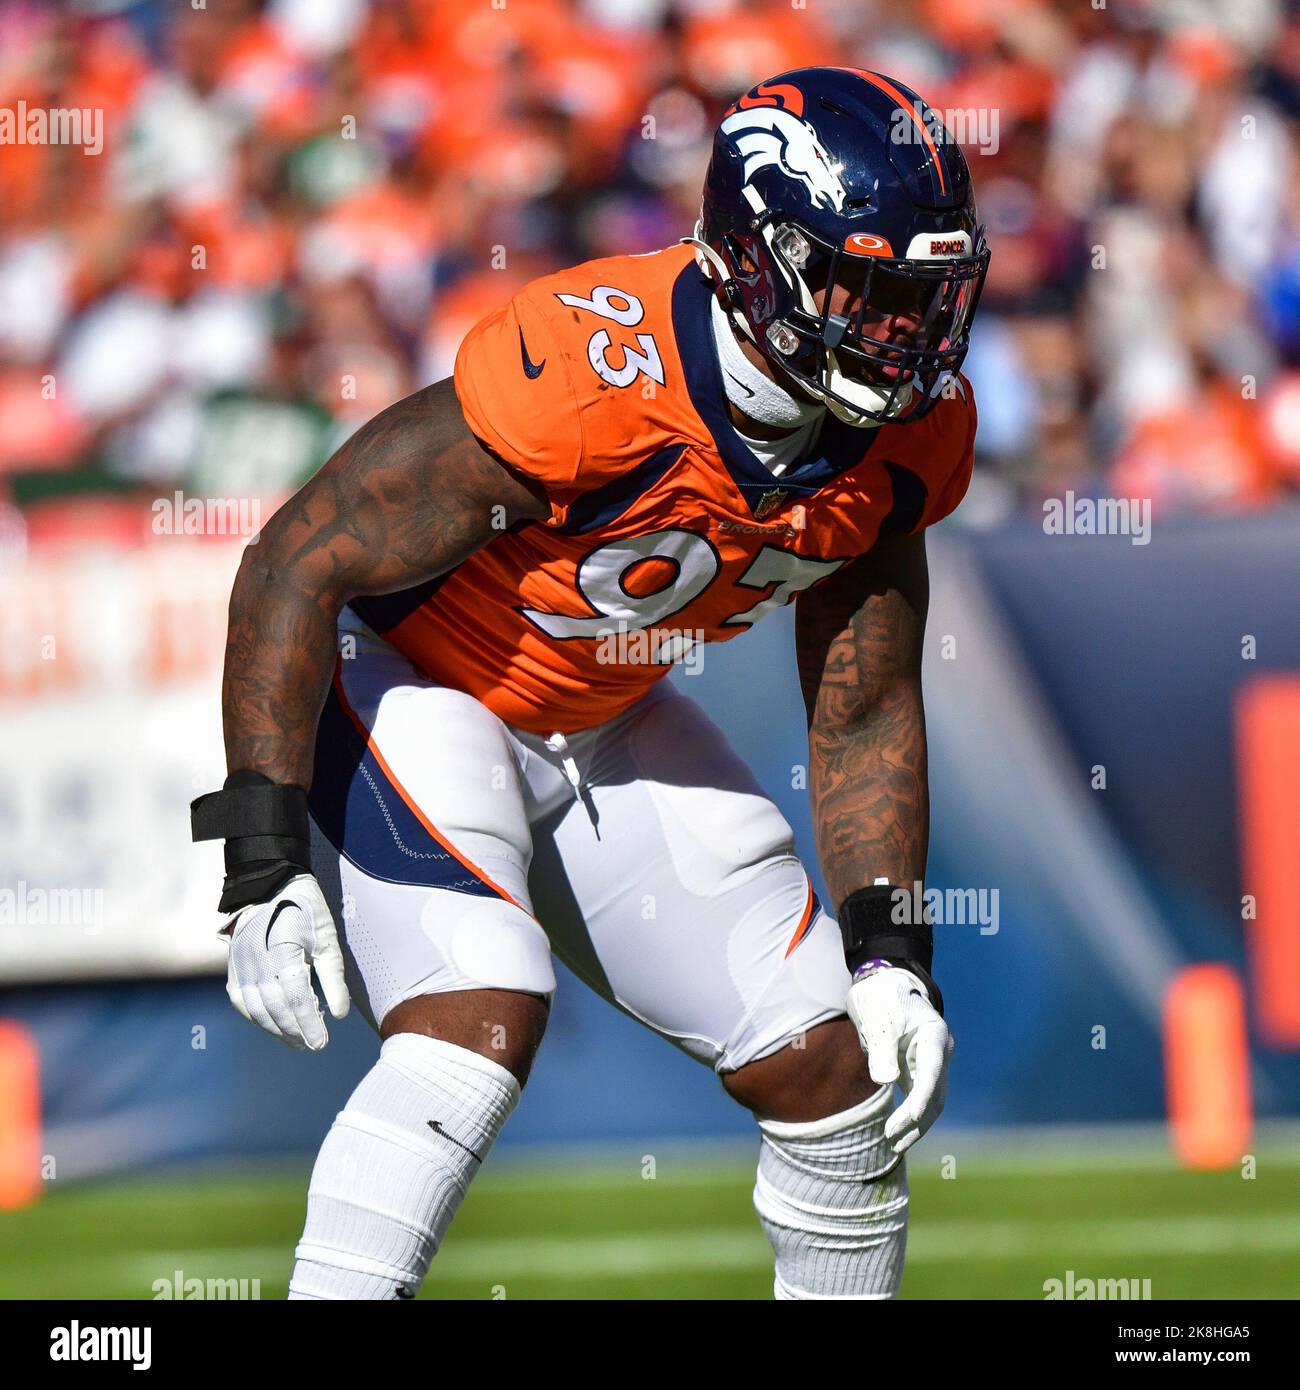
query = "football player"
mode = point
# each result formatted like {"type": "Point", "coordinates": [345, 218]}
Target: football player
{"type": "Point", "coordinates": [452, 751]}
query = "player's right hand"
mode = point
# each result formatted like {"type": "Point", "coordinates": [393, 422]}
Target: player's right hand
{"type": "Point", "coordinates": [274, 947]}
{"type": "Point", "coordinates": [906, 1040]}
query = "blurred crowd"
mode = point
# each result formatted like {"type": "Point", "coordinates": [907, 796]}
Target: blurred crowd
{"type": "Point", "coordinates": [302, 205]}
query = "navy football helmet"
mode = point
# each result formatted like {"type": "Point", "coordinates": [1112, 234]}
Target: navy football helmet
{"type": "Point", "coordinates": [840, 230]}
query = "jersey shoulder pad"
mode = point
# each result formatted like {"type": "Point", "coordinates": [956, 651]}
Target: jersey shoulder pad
{"type": "Point", "coordinates": [514, 388]}
{"type": "Point", "coordinates": [613, 320]}
{"type": "Point", "coordinates": [555, 382]}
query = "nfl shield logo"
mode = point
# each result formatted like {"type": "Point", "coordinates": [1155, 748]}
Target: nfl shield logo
{"type": "Point", "coordinates": [769, 502]}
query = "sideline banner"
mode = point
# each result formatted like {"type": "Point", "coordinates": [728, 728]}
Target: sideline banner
{"type": "Point", "coordinates": [110, 722]}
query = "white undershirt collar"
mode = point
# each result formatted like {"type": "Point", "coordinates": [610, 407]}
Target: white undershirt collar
{"type": "Point", "coordinates": [758, 397]}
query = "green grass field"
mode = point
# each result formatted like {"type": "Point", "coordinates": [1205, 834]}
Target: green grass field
{"type": "Point", "coordinates": [544, 1229]}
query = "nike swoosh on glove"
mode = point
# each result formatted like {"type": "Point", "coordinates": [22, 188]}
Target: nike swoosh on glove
{"type": "Point", "coordinates": [906, 1040]}
{"type": "Point", "coordinates": [273, 948]}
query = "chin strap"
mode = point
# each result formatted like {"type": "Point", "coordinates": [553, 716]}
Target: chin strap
{"type": "Point", "coordinates": [715, 268]}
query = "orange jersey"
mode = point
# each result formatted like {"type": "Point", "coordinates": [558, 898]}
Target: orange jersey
{"type": "Point", "coordinates": [602, 384]}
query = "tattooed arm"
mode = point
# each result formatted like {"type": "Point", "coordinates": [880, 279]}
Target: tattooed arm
{"type": "Point", "coordinates": [859, 647]}
{"type": "Point", "coordinates": [859, 642]}
{"type": "Point", "coordinates": [409, 496]}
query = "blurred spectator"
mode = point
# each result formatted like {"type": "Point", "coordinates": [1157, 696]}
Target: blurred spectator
{"type": "Point", "coordinates": [303, 205]}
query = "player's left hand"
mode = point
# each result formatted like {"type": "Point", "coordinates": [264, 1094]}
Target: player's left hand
{"type": "Point", "coordinates": [906, 1040]}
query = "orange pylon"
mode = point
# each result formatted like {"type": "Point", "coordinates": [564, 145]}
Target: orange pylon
{"type": "Point", "coordinates": [1207, 1066]}
{"type": "Point", "coordinates": [20, 1117]}
{"type": "Point", "coordinates": [1267, 718]}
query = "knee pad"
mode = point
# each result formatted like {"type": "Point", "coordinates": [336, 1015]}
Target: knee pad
{"type": "Point", "coordinates": [831, 1197]}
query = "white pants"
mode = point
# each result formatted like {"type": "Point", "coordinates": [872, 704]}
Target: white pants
{"type": "Point", "coordinates": [458, 852]}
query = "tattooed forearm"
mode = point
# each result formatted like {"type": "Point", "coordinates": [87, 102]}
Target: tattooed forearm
{"type": "Point", "coordinates": [408, 496]}
{"type": "Point", "coordinates": [859, 644]}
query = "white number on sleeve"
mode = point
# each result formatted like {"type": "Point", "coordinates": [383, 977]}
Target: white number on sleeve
{"type": "Point", "coordinates": [601, 302]}
{"type": "Point", "coordinates": [634, 362]}
{"type": "Point", "coordinates": [628, 311]}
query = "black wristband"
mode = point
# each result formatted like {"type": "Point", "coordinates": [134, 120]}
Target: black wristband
{"type": "Point", "coordinates": [249, 804]}
{"type": "Point", "coordinates": [265, 828]}
{"type": "Point", "coordinates": [870, 932]}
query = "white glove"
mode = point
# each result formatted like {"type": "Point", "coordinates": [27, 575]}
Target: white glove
{"type": "Point", "coordinates": [273, 946]}
{"type": "Point", "coordinates": [901, 1032]}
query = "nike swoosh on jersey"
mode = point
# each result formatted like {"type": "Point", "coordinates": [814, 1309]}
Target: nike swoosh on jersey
{"type": "Point", "coordinates": [531, 369]}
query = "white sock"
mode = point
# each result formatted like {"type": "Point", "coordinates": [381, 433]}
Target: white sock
{"type": "Point", "coordinates": [394, 1167]}
{"type": "Point", "coordinates": [831, 1196]}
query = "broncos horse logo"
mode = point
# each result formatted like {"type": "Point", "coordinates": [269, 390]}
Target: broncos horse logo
{"type": "Point", "coordinates": [771, 135]}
